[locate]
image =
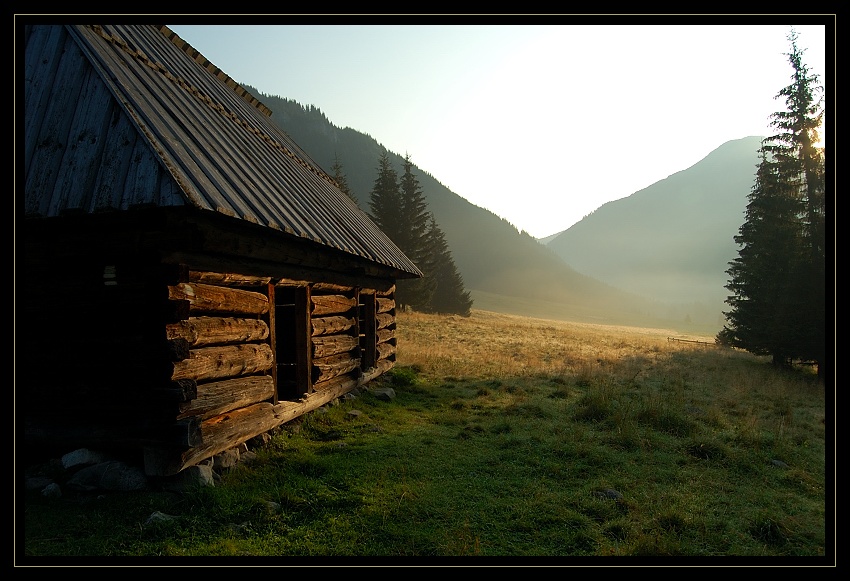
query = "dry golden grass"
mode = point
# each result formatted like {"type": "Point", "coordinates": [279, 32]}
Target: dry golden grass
{"type": "Point", "coordinates": [733, 388]}
{"type": "Point", "coordinates": [494, 345]}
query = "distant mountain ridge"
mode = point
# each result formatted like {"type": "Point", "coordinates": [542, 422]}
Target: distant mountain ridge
{"type": "Point", "coordinates": [505, 269]}
{"type": "Point", "coordinates": [673, 240]}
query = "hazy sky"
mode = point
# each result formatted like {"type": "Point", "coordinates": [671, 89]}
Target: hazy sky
{"type": "Point", "coordinates": [539, 123]}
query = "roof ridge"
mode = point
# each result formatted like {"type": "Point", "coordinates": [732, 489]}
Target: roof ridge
{"type": "Point", "coordinates": [217, 72]}
{"type": "Point", "coordinates": [206, 99]}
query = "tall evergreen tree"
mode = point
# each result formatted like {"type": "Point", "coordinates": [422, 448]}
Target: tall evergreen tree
{"type": "Point", "coordinates": [449, 296]}
{"type": "Point", "coordinates": [778, 280]}
{"type": "Point", "coordinates": [413, 241]}
{"type": "Point", "coordinates": [340, 178]}
{"type": "Point", "coordinates": [385, 200]}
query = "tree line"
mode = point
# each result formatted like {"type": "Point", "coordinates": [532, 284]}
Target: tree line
{"type": "Point", "coordinates": [778, 280]}
{"type": "Point", "coordinates": [398, 207]}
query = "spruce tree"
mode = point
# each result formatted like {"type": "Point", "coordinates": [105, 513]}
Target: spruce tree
{"type": "Point", "coordinates": [413, 241]}
{"type": "Point", "coordinates": [449, 296]}
{"type": "Point", "coordinates": [340, 179]}
{"type": "Point", "coordinates": [778, 280]}
{"type": "Point", "coordinates": [385, 200]}
{"type": "Point", "coordinates": [761, 277]}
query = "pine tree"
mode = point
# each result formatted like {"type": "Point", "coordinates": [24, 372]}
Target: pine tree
{"type": "Point", "coordinates": [778, 280]}
{"type": "Point", "coordinates": [761, 278]}
{"type": "Point", "coordinates": [413, 241]}
{"type": "Point", "coordinates": [385, 200]}
{"type": "Point", "coordinates": [449, 295]}
{"type": "Point", "coordinates": [340, 179]}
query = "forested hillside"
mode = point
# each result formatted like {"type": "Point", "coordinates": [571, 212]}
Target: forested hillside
{"type": "Point", "coordinates": [505, 269]}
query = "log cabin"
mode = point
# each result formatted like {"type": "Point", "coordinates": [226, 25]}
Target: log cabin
{"type": "Point", "coordinates": [187, 278]}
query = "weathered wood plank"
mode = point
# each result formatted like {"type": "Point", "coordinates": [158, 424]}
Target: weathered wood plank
{"type": "Point", "coordinates": [225, 361]}
{"type": "Point", "coordinates": [333, 345]}
{"type": "Point", "coordinates": [219, 397]}
{"type": "Point", "coordinates": [114, 163]}
{"type": "Point", "coordinates": [327, 286]}
{"type": "Point", "coordinates": [385, 350]}
{"type": "Point", "coordinates": [385, 335]}
{"type": "Point", "coordinates": [384, 320]}
{"type": "Point", "coordinates": [332, 325]}
{"type": "Point", "coordinates": [219, 433]}
{"type": "Point", "coordinates": [336, 383]}
{"type": "Point", "coordinates": [332, 304]}
{"type": "Point", "coordinates": [53, 137]}
{"type": "Point", "coordinates": [227, 278]}
{"type": "Point", "coordinates": [204, 330]}
{"type": "Point", "coordinates": [250, 422]}
{"type": "Point", "coordinates": [83, 160]}
{"type": "Point", "coordinates": [384, 305]}
{"type": "Point", "coordinates": [218, 299]}
{"type": "Point", "coordinates": [329, 367]}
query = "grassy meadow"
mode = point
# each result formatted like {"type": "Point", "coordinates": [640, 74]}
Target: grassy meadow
{"type": "Point", "coordinates": [546, 441]}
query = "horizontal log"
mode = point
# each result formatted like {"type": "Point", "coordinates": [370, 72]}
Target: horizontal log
{"type": "Point", "coordinates": [384, 305]}
{"type": "Point", "coordinates": [331, 304]}
{"type": "Point", "coordinates": [332, 325]}
{"type": "Point", "coordinates": [200, 331]}
{"type": "Point", "coordinates": [385, 334]}
{"type": "Point", "coordinates": [223, 362]}
{"type": "Point", "coordinates": [333, 345]}
{"type": "Point", "coordinates": [385, 350]}
{"type": "Point", "coordinates": [255, 420]}
{"type": "Point", "coordinates": [384, 320]}
{"type": "Point", "coordinates": [328, 286]}
{"type": "Point", "coordinates": [178, 349]}
{"type": "Point", "coordinates": [205, 298]}
{"type": "Point", "coordinates": [330, 367]}
{"type": "Point", "coordinates": [219, 433]}
{"type": "Point", "coordinates": [386, 293]}
{"type": "Point", "coordinates": [336, 383]}
{"type": "Point", "coordinates": [219, 397]}
{"type": "Point", "coordinates": [228, 278]}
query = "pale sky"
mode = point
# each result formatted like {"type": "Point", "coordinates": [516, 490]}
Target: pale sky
{"type": "Point", "coordinates": [539, 123]}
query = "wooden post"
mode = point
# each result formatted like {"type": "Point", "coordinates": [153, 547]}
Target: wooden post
{"type": "Point", "coordinates": [273, 337]}
{"type": "Point", "coordinates": [303, 341]}
{"type": "Point", "coordinates": [368, 330]}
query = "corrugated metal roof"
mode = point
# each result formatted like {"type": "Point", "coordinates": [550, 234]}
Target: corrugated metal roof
{"type": "Point", "coordinates": [215, 143]}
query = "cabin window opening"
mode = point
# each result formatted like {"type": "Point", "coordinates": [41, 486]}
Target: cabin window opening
{"type": "Point", "coordinates": [287, 340]}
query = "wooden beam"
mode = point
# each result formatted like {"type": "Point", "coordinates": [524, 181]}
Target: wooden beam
{"type": "Point", "coordinates": [271, 321]}
{"type": "Point", "coordinates": [303, 333]}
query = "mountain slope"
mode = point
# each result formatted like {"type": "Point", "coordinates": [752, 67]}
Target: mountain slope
{"type": "Point", "coordinates": [673, 240]}
{"type": "Point", "coordinates": [505, 269]}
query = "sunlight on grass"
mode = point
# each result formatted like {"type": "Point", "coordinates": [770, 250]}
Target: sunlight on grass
{"type": "Point", "coordinates": [511, 436]}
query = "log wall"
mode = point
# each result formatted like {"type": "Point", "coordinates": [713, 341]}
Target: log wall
{"type": "Point", "coordinates": [259, 359]}
{"type": "Point", "coordinates": [181, 364]}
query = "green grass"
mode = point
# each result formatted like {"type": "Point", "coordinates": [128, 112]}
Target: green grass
{"type": "Point", "coordinates": [504, 464]}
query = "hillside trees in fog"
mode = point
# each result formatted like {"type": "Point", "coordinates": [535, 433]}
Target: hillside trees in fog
{"type": "Point", "coordinates": [778, 280]}
{"type": "Point", "coordinates": [413, 240]}
{"type": "Point", "coordinates": [449, 295]}
{"type": "Point", "coordinates": [341, 179]}
{"type": "Point", "coordinates": [398, 207]}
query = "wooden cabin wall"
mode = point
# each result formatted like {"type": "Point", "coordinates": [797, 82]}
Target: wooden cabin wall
{"type": "Point", "coordinates": [259, 359]}
{"type": "Point", "coordinates": [118, 350]}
